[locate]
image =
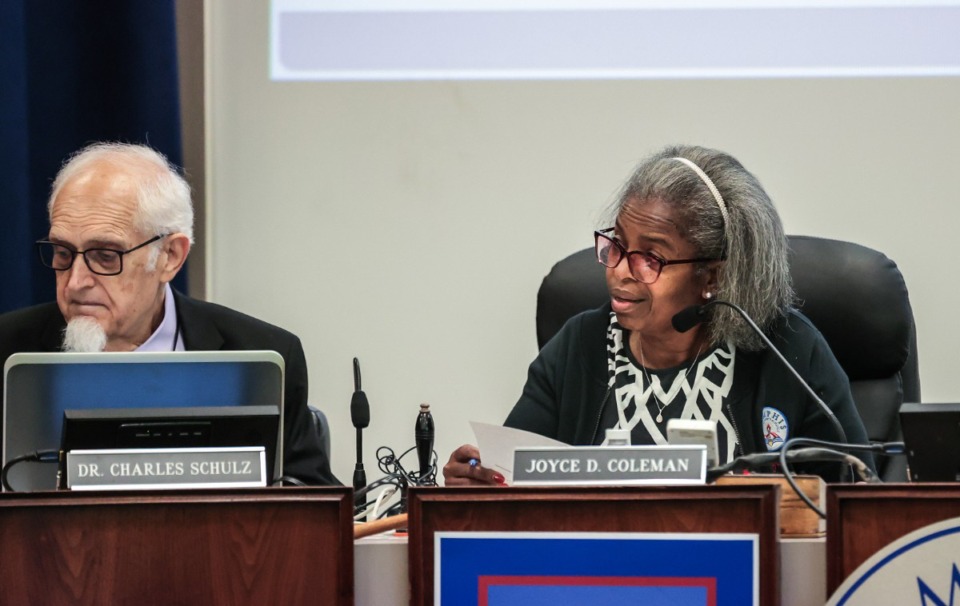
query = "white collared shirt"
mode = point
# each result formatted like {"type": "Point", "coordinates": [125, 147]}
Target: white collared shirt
{"type": "Point", "coordinates": [165, 335]}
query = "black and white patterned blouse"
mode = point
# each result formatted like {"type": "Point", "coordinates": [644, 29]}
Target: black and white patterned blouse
{"type": "Point", "coordinates": [646, 399]}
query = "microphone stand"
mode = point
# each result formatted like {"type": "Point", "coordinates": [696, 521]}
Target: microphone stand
{"type": "Point", "coordinates": [701, 310]}
{"type": "Point", "coordinates": [360, 416]}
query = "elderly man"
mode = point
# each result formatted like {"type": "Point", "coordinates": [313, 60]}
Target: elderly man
{"type": "Point", "coordinates": [121, 226]}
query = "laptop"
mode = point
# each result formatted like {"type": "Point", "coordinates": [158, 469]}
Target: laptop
{"type": "Point", "coordinates": [931, 435]}
{"type": "Point", "coordinates": [40, 387]}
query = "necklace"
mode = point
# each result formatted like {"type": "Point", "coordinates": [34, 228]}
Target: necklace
{"type": "Point", "coordinates": [643, 369]}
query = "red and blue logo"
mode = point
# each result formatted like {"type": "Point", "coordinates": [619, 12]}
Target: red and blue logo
{"type": "Point", "coordinates": [558, 568]}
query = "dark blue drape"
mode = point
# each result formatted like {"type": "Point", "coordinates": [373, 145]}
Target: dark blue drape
{"type": "Point", "coordinates": [74, 72]}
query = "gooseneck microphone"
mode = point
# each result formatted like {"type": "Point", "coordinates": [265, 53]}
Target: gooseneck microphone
{"type": "Point", "coordinates": [360, 415]}
{"type": "Point", "coordinates": [691, 316]}
{"type": "Point", "coordinates": [423, 436]}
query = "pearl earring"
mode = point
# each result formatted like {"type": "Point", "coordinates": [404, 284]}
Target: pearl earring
{"type": "Point", "coordinates": [708, 296]}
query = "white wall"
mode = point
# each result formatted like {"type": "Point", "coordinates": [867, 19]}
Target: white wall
{"type": "Point", "coordinates": [410, 224]}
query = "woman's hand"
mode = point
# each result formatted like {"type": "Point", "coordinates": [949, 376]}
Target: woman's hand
{"type": "Point", "coordinates": [464, 469]}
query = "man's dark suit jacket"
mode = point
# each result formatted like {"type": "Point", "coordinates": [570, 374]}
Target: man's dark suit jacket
{"type": "Point", "coordinates": [204, 326]}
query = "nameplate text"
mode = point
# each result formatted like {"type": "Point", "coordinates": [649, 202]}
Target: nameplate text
{"type": "Point", "coordinates": [604, 465]}
{"type": "Point", "coordinates": [124, 469]}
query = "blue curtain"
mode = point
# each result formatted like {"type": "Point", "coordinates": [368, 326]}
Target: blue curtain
{"type": "Point", "coordinates": [73, 72]}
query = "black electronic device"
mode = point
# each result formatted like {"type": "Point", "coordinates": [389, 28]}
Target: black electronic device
{"type": "Point", "coordinates": [189, 427]}
{"type": "Point", "coordinates": [40, 387]}
{"type": "Point", "coordinates": [931, 435]}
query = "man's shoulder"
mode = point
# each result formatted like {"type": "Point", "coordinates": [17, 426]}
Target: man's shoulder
{"type": "Point", "coordinates": [41, 311]}
{"type": "Point", "coordinates": [235, 327]}
{"type": "Point", "coordinates": [34, 328]}
{"type": "Point", "coordinates": [27, 320]}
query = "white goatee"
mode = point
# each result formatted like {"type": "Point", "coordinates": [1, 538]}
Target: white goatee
{"type": "Point", "coordinates": [84, 334]}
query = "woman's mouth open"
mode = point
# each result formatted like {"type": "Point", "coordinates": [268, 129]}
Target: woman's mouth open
{"type": "Point", "coordinates": [621, 303]}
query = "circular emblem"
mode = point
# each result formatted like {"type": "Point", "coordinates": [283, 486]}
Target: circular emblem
{"type": "Point", "coordinates": [918, 568]}
{"type": "Point", "coordinates": [775, 428]}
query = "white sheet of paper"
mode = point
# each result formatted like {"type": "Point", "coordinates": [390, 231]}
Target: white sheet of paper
{"type": "Point", "coordinates": [497, 443]}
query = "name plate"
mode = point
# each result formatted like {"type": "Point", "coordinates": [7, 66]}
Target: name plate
{"type": "Point", "coordinates": [622, 465]}
{"type": "Point", "coordinates": [125, 469]}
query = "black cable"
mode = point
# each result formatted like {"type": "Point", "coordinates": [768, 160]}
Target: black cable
{"type": "Point", "coordinates": [289, 481]}
{"type": "Point", "coordinates": [362, 506]}
{"type": "Point", "coordinates": [817, 454]}
{"type": "Point", "coordinates": [822, 451]}
{"type": "Point", "coordinates": [395, 509]}
{"type": "Point", "coordinates": [392, 479]}
{"type": "Point", "coordinates": [37, 456]}
{"type": "Point", "coordinates": [863, 470]}
{"type": "Point", "coordinates": [833, 448]}
{"type": "Point", "coordinates": [397, 475]}
{"type": "Point", "coordinates": [389, 463]}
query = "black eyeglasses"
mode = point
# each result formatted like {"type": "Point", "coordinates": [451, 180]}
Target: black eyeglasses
{"type": "Point", "coordinates": [101, 261]}
{"type": "Point", "coordinates": [644, 266]}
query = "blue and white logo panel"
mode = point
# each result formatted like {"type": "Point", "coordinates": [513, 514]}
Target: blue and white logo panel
{"type": "Point", "coordinates": [775, 428]}
{"type": "Point", "coordinates": [918, 569]}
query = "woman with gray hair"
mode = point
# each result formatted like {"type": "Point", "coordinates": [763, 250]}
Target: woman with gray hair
{"type": "Point", "coordinates": [691, 225]}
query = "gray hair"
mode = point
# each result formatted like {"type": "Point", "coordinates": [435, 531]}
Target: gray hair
{"type": "Point", "coordinates": [756, 273]}
{"type": "Point", "coordinates": [163, 196]}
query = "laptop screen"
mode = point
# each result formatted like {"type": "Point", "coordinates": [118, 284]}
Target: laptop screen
{"type": "Point", "coordinates": [931, 435]}
{"type": "Point", "coordinates": [39, 387]}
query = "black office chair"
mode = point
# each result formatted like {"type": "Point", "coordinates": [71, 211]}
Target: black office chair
{"type": "Point", "coordinates": [322, 427]}
{"type": "Point", "coordinates": [854, 295]}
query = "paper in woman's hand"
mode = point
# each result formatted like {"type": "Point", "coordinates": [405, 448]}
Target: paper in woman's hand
{"type": "Point", "coordinates": [497, 443]}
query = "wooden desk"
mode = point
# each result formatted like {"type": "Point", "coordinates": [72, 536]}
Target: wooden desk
{"type": "Point", "coordinates": [250, 546]}
{"type": "Point", "coordinates": [688, 509]}
{"type": "Point", "coordinates": [382, 578]}
{"type": "Point", "coordinates": [864, 518]}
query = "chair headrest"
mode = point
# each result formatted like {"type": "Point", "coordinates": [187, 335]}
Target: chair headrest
{"type": "Point", "coordinates": [857, 298]}
{"type": "Point", "coordinates": [574, 284]}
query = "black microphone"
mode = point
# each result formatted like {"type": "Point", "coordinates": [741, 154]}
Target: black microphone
{"type": "Point", "coordinates": [687, 318]}
{"type": "Point", "coordinates": [691, 316]}
{"type": "Point", "coordinates": [360, 415]}
{"type": "Point", "coordinates": [423, 436]}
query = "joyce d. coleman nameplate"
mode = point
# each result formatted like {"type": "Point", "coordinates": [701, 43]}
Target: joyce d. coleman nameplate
{"type": "Point", "coordinates": [125, 469]}
{"type": "Point", "coordinates": [627, 465]}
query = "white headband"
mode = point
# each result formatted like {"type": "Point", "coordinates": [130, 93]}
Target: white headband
{"type": "Point", "coordinates": [713, 189]}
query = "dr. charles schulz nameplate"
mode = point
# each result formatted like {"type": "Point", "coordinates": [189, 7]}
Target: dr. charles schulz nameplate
{"type": "Point", "coordinates": [125, 469]}
{"type": "Point", "coordinates": [626, 465]}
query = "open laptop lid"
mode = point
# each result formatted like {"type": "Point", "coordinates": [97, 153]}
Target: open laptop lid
{"type": "Point", "coordinates": [39, 387]}
{"type": "Point", "coordinates": [931, 435]}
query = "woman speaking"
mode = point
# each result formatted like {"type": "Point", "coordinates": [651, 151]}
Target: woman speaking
{"type": "Point", "coordinates": [690, 225]}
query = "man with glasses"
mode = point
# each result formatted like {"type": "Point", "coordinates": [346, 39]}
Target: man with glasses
{"type": "Point", "coordinates": [121, 228]}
